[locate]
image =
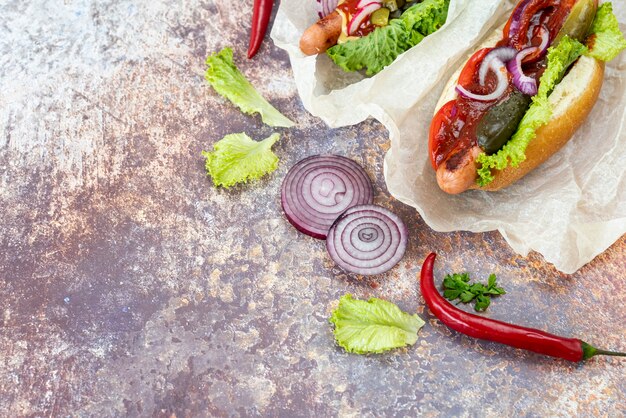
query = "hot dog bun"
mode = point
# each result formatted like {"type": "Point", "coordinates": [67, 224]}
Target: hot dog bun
{"type": "Point", "coordinates": [571, 101]}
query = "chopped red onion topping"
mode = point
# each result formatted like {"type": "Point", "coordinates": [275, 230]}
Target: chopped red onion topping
{"type": "Point", "coordinates": [326, 7]}
{"type": "Point", "coordinates": [502, 79]}
{"type": "Point", "coordinates": [524, 83]}
{"type": "Point", "coordinates": [362, 14]}
{"type": "Point", "coordinates": [364, 3]}
{"type": "Point", "coordinates": [494, 60]}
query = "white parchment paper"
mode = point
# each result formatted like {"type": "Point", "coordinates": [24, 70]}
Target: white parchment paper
{"type": "Point", "coordinates": [570, 209]}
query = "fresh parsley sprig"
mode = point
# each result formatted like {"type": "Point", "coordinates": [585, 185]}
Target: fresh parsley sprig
{"type": "Point", "coordinates": [457, 286]}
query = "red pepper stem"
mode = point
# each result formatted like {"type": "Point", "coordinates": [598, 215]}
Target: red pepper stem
{"type": "Point", "coordinates": [590, 351]}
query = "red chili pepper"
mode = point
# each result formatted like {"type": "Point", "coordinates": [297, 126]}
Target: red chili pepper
{"type": "Point", "coordinates": [541, 342]}
{"type": "Point", "coordinates": [260, 18]}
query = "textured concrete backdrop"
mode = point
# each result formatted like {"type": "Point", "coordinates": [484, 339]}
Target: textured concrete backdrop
{"type": "Point", "coordinates": [130, 286]}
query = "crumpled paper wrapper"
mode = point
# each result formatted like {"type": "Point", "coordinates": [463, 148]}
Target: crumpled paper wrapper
{"type": "Point", "coordinates": [570, 209]}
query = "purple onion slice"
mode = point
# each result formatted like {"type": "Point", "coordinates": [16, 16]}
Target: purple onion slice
{"type": "Point", "coordinates": [320, 188]}
{"type": "Point", "coordinates": [362, 14]}
{"type": "Point", "coordinates": [494, 60]}
{"type": "Point", "coordinates": [544, 34]}
{"type": "Point", "coordinates": [362, 3]}
{"type": "Point", "coordinates": [367, 240]}
{"type": "Point", "coordinates": [524, 83]}
{"type": "Point", "coordinates": [326, 7]}
{"type": "Point", "coordinates": [503, 83]}
{"type": "Point", "coordinates": [516, 17]}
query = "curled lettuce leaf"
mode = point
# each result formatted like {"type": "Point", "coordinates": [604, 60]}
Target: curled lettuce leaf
{"type": "Point", "coordinates": [382, 46]}
{"type": "Point", "coordinates": [236, 158]}
{"type": "Point", "coordinates": [373, 326]}
{"type": "Point", "coordinates": [606, 42]}
{"type": "Point", "coordinates": [228, 81]}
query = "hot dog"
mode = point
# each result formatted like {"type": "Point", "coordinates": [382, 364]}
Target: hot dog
{"type": "Point", "coordinates": [523, 95]}
{"type": "Point", "coordinates": [325, 33]}
{"type": "Point", "coordinates": [370, 34]}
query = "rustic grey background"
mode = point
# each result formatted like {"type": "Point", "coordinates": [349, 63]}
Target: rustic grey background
{"type": "Point", "coordinates": [130, 286]}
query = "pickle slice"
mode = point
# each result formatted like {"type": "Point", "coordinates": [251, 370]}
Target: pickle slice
{"type": "Point", "coordinates": [501, 122]}
{"type": "Point", "coordinates": [380, 17]}
{"type": "Point", "coordinates": [579, 20]}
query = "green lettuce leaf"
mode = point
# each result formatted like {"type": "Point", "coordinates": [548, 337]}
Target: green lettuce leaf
{"type": "Point", "coordinates": [374, 326]}
{"type": "Point", "coordinates": [228, 81]}
{"type": "Point", "coordinates": [606, 40]}
{"type": "Point", "coordinates": [236, 158]}
{"type": "Point", "coordinates": [382, 46]}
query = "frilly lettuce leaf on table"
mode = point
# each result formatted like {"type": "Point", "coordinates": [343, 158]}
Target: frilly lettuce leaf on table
{"type": "Point", "coordinates": [228, 81]}
{"type": "Point", "coordinates": [373, 326]}
{"type": "Point", "coordinates": [237, 159]}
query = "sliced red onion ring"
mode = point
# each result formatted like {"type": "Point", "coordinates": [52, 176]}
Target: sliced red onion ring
{"type": "Point", "coordinates": [517, 16]}
{"type": "Point", "coordinates": [524, 83]}
{"type": "Point", "coordinates": [540, 50]}
{"type": "Point", "coordinates": [320, 188]}
{"type": "Point", "coordinates": [364, 3]}
{"type": "Point", "coordinates": [494, 60]}
{"type": "Point", "coordinates": [503, 83]}
{"type": "Point", "coordinates": [534, 21]}
{"type": "Point", "coordinates": [326, 7]}
{"type": "Point", "coordinates": [521, 9]}
{"type": "Point", "coordinates": [362, 14]}
{"type": "Point", "coordinates": [367, 240]}
{"type": "Point", "coordinates": [544, 33]}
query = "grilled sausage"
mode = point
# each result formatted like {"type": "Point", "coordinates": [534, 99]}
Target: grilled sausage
{"type": "Point", "coordinates": [321, 35]}
{"type": "Point", "coordinates": [458, 172]}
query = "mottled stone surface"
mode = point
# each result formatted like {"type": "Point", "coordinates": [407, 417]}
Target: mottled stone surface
{"type": "Point", "coordinates": [130, 286]}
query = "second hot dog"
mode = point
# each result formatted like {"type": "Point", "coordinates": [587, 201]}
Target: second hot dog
{"type": "Point", "coordinates": [370, 34]}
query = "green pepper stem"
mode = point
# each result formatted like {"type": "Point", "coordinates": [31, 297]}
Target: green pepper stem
{"type": "Point", "coordinates": [590, 351]}
{"type": "Point", "coordinates": [609, 353]}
